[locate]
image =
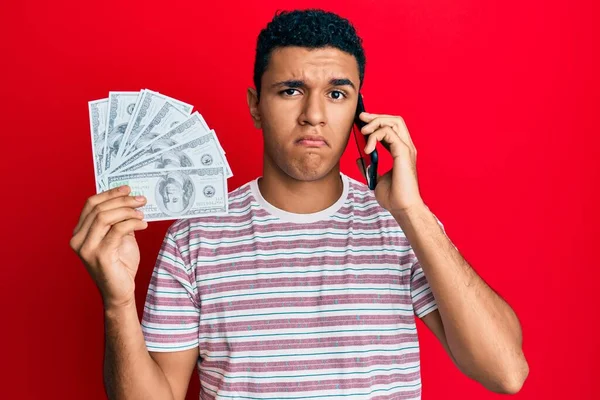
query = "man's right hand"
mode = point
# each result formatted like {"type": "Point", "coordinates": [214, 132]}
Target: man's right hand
{"type": "Point", "coordinates": [104, 239]}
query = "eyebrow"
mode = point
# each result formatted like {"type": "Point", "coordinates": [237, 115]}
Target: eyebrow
{"type": "Point", "coordinates": [296, 83]}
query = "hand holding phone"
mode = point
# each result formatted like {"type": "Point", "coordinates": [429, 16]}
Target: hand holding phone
{"type": "Point", "coordinates": [368, 162]}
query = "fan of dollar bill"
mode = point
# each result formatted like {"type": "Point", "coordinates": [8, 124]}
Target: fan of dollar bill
{"type": "Point", "coordinates": [163, 151]}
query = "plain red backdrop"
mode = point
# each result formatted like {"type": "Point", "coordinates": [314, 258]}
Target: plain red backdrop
{"type": "Point", "coordinates": [501, 99]}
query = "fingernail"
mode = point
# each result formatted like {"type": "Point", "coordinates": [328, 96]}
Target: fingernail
{"type": "Point", "coordinates": [138, 212]}
{"type": "Point", "coordinates": [140, 198]}
{"type": "Point", "coordinates": [122, 188]}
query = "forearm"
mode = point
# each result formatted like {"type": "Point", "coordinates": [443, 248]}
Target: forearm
{"type": "Point", "coordinates": [482, 331]}
{"type": "Point", "coordinates": [129, 371]}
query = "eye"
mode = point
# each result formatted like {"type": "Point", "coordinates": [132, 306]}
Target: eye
{"type": "Point", "coordinates": [289, 92]}
{"type": "Point", "coordinates": [337, 94]}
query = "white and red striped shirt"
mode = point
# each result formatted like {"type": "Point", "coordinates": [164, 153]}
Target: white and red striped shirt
{"type": "Point", "coordinates": [292, 306]}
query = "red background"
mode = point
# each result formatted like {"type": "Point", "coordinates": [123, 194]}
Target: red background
{"type": "Point", "coordinates": [500, 98]}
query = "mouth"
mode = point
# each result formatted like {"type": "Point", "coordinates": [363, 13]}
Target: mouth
{"type": "Point", "coordinates": [312, 141]}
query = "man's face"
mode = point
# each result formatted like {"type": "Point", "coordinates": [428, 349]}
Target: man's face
{"type": "Point", "coordinates": [307, 105]}
{"type": "Point", "coordinates": [173, 198]}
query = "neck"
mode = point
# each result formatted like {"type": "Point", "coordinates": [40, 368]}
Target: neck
{"type": "Point", "coordinates": [300, 197]}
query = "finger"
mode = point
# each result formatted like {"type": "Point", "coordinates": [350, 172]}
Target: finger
{"type": "Point", "coordinates": [405, 136]}
{"type": "Point", "coordinates": [385, 135]}
{"type": "Point", "coordinates": [100, 198]}
{"type": "Point", "coordinates": [379, 122]}
{"type": "Point", "coordinates": [367, 117]}
{"type": "Point", "coordinates": [106, 220]}
{"type": "Point", "coordinates": [378, 136]}
{"type": "Point", "coordinates": [119, 231]}
{"type": "Point", "coordinates": [114, 203]}
{"type": "Point", "coordinates": [396, 123]}
{"type": "Point", "coordinates": [402, 130]}
{"type": "Point", "coordinates": [124, 201]}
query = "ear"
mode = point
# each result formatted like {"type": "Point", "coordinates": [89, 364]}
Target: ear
{"type": "Point", "coordinates": [252, 98]}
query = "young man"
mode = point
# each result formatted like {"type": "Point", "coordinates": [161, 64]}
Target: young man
{"type": "Point", "coordinates": [310, 286]}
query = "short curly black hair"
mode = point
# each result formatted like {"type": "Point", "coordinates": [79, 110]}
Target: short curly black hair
{"type": "Point", "coordinates": [310, 28]}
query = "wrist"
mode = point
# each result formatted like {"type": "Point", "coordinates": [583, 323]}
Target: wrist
{"type": "Point", "coordinates": [410, 212]}
{"type": "Point", "coordinates": [115, 309]}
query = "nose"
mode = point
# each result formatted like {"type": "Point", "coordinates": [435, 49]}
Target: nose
{"type": "Point", "coordinates": [313, 110]}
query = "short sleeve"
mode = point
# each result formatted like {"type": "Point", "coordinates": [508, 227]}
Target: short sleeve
{"type": "Point", "coordinates": [420, 292]}
{"type": "Point", "coordinates": [171, 316]}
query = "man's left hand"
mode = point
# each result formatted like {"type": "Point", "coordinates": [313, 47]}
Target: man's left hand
{"type": "Point", "coordinates": [398, 190]}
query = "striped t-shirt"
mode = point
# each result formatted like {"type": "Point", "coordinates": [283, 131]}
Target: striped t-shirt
{"type": "Point", "coordinates": [292, 306]}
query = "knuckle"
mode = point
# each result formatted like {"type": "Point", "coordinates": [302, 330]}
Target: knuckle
{"type": "Point", "coordinates": [120, 227]}
{"type": "Point", "coordinates": [74, 243]}
{"type": "Point", "coordinates": [102, 217]}
{"type": "Point", "coordinates": [99, 208]}
{"type": "Point", "coordinates": [90, 202]}
{"type": "Point", "coordinates": [86, 253]}
{"type": "Point", "coordinates": [95, 211]}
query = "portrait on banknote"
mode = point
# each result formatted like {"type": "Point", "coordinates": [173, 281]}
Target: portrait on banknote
{"type": "Point", "coordinates": [175, 193]}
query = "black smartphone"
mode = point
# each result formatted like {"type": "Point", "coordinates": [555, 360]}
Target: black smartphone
{"type": "Point", "coordinates": [368, 162]}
